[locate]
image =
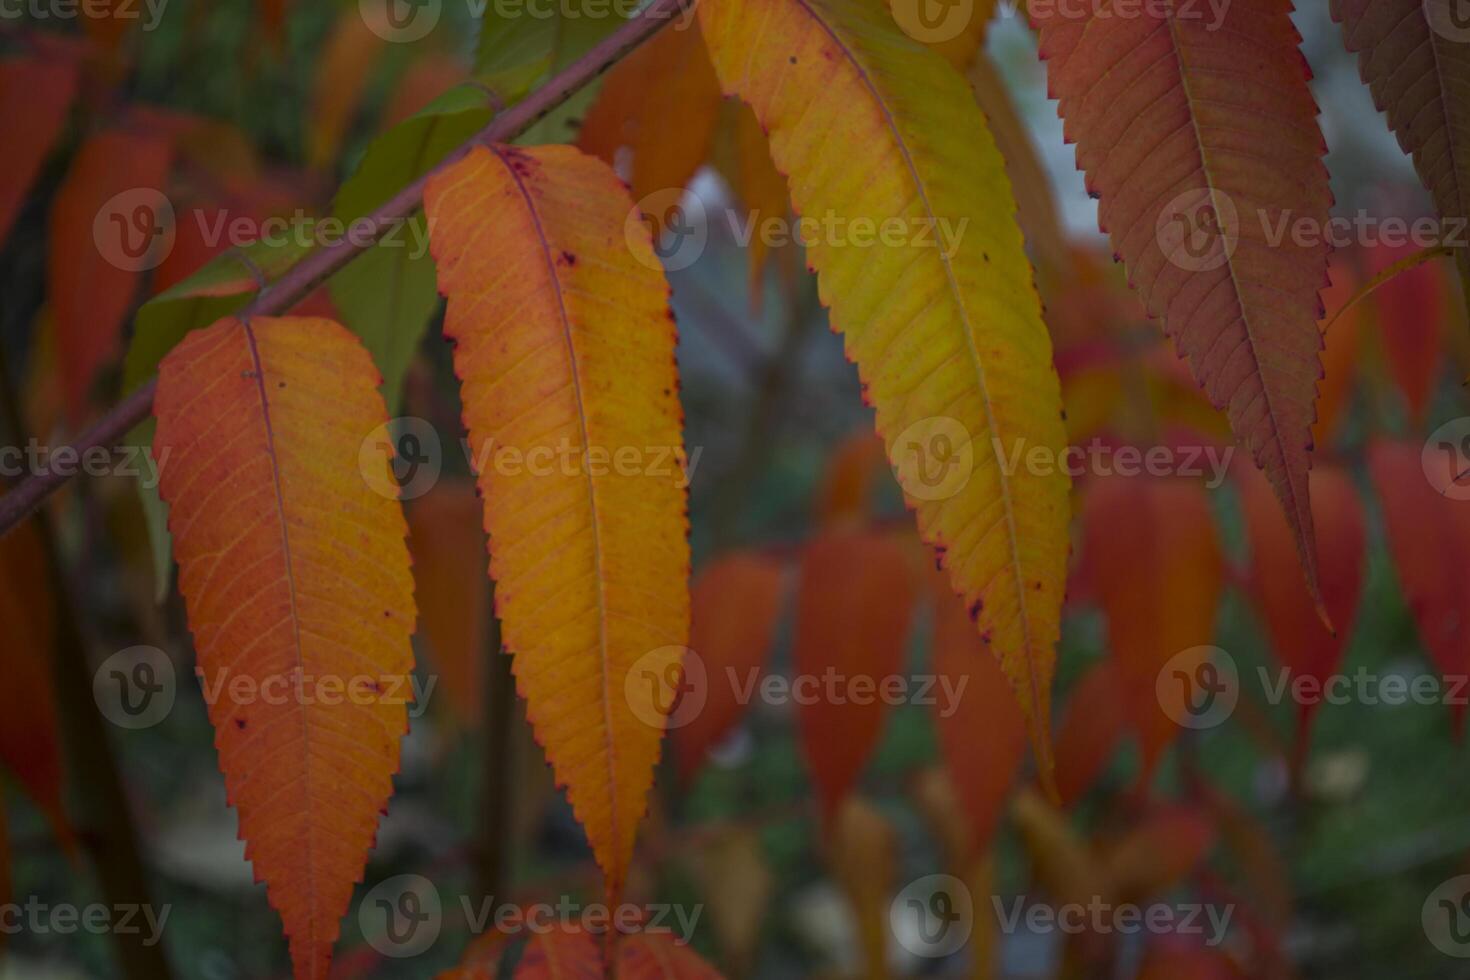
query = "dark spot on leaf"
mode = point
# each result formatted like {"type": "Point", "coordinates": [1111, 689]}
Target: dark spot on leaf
{"type": "Point", "coordinates": [975, 608]}
{"type": "Point", "coordinates": [240, 723]}
{"type": "Point", "coordinates": [793, 59]}
{"type": "Point", "coordinates": [568, 258]}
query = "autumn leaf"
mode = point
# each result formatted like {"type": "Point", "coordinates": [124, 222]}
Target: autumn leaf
{"type": "Point", "coordinates": [1093, 724]}
{"type": "Point", "coordinates": [36, 94]}
{"type": "Point", "coordinates": [29, 729]}
{"type": "Point", "coordinates": [661, 103]}
{"type": "Point", "coordinates": [734, 606]}
{"type": "Point", "coordinates": [1162, 531]}
{"type": "Point", "coordinates": [1412, 55]}
{"type": "Point", "coordinates": [854, 606]}
{"type": "Point", "coordinates": [346, 60]}
{"type": "Point", "coordinates": [759, 187]}
{"type": "Point", "coordinates": [106, 226]}
{"type": "Point", "coordinates": [448, 551]}
{"type": "Point", "coordinates": [561, 954]}
{"type": "Point", "coordinates": [1341, 342]}
{"type": "Point", "coordinates": [1200, 138]}
{"type": "Point", "coordinates": [948, 337]}
{"type": "Point", "coordinates": [387, 294]}
{"type": "Point", "coordinates": [959, 34]}
{"type": "Point", "coordinates": [1158, 852]}
{"type": "Point", "coordinates": [862, 849]}
{"type": "Point", "coordinates": [1428, 538]}
{"type": "Point", "coordinates": [564, 345]}
{"type": "Point", "coordinates": [658, 956]}
{"type": "Point", "coordinates": [295, 575]}
{"type": "Point", "coordinates": [1299, 640]}
{"type": "Point", "coordinates": [1411, 309]}
{"type": "Point", "coordinates": [982, 733]}
{"type": "Point", "coordinates": [854, 470]}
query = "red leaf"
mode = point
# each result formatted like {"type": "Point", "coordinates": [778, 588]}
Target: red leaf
{"type": "Point", "coordinates": [1428, 537]}
{"type": "Point", "coordinates": [106, 227]}
{"type": "Point", "coordinates": [1092, 726]}
{"type": "Point", "coordinates": [1411, 309]}
{"type": "Point", "coordinates": [1162, 532]}
{"type": "Point", "coordinates": [35, 95]}
{"type": "Point", "coordinates": [1298, 638]}
{"type": "Point", "coordinates": [852, 621]}
{"type": "Point", "coordinates": [982, 737]}
{"type": "Point", "coordinates": [735, 603]}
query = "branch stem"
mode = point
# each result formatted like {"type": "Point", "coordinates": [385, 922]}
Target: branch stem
{"type": "Point", "coordinates": [316, 267]}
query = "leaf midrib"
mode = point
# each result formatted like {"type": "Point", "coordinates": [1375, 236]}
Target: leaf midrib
{"type": "Point", "coordinates": [1003, 479]}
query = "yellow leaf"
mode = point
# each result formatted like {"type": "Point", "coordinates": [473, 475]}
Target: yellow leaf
{"type": "Point", "coordinates": [945, 327]}
{"type": "Point", "coordinates": [295, 574]}
{"type": "Point", "coordinates": [564, 345]}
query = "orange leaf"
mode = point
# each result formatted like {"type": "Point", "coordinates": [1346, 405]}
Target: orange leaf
{"type": "Point", "coordinates": [661, 102]}
{"type": "Point", "coordinates": [106, 226]}
{"type": "Point", "coordinates": [759, 186]}
{"type": "Point", "coordinates": [296, 578]}
{"type": "Point", "coordinates": [1428, 537]}
{"type": "Point", "coordinates": [1339, 354]}
{"type": "Point", "coordinates": [1160, 529]}
{"type": "Point", "coordinates": [561, 954]}
{"type": "Point", "coordinates": [1411, 308]}
{"type": "Point", "coordinates": [1158, 852]}
{"type": "Point", "coordinates": [854, 470]}
{"type": "Point", "coordinates": [564, 345]}
{"type": "Point", "coordinates": [1092, 726]}
{"type": "Point", "coordinates": [1298, 638]}
{"type": "Point", "coordinates": [735, 603]}
{"type": "Point", "coordinates": [1200, 137]}
{"type": "Point", "coordinates": [982, 737]}
{"type": "Point", "coordinates": [852, 622]}
{"type": "Point", "coordinates": [863, 851]}
{"type": "Point", "coordinates": [448, 548]}
{"type": "Point", "coordinates": [346, 60]}
{"type": "Point", "coordinates": [29, 747]}
{"type": "Point", "coordinates": [658, 956]}
{"type": "Point", "coordinates": [35, 96]}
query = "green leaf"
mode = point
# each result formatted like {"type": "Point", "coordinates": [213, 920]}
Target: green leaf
{"type": "Point", "coordinates": [220, 288]}
{"type": "Point", "coordinates": [387, 295]}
